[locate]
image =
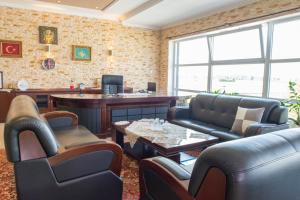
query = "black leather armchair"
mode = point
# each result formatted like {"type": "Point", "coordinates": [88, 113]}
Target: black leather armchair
{"type": "Point", "coordinates": [256, 168]}
{"type": "Point", "coordinates": [214, 114]}
{"type": "Point", "coordinates": [54, 158]}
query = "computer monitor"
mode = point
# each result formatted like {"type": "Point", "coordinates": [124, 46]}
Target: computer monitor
{"type": "Point", "coordinates": [112, 84]}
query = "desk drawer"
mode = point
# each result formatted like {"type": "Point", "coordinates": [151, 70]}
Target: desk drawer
{"type": "Point", "coordinates": [148, 110]}
{"type": "Point", "coordinates": [134, 117]}
{"type": "Point", "coordinates": [119, 112]}
{"type": "Point", "coordinates": [149, 116]}
{"type": "Point", "coordinates": [134, 111]}
{"type": "Point", "coordinates": [119, 118]}
{"type": "Point", "coordinates": [162, 109]}
{"type": "Point", "coordinates": [161, 115]}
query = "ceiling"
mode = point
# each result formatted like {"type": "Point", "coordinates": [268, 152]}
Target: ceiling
{"type": "Point", "coordinates": [153, 14]}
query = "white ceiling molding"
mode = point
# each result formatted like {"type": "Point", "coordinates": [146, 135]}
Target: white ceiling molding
{"type": "Point", "coordinates": [140, 9]}
{"type": "Point", "coordinates": [57, 8]}
{"type": "Point", "coordinates": [225, 8]}
{"type": "Point", "coordinates": [91, 4]}
{"type": "Point", "coordinates": [155, 28]}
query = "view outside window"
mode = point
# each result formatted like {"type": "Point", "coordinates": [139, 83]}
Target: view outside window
{"type": "Point", "coordinates": [193, 51]}
{"type": "Point", "coordinates": [281, 74]}
{"type": "Point", "coordinates": [240, 45]}
{"type": "Point", "coordinates": [286, 40]}
{"type": "Point", "coordinates": [238, 79]}
{"type": "Point", "coordinates": [193, 78]}
{"type": "Point", "coordinates": [237, 66]}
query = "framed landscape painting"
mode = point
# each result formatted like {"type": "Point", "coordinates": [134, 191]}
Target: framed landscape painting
{"type": "Point", "coordinates": [81, 53]}
{"type": "Point", "coordinates": [9, 48]}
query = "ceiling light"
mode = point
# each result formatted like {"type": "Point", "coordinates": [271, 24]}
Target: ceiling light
{"type": "Point", "coordinates": [97, 7]}
{"type": "Point", "coordinates": [58, 1]}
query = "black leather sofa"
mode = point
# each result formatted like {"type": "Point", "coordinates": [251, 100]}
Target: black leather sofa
{"type": "Point", "coordinates": [264, 167]}
{"type": "Point", "coordinates": [54, 158]}
{"type": "Point", "coordinates": [214, 114]}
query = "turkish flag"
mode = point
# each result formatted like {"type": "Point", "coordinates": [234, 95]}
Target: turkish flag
{"type": "Point", "coordinates": [11, 49]}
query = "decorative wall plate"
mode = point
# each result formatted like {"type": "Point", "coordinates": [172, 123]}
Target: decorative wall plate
{"type": "Point", "coordinates": [23, 85]}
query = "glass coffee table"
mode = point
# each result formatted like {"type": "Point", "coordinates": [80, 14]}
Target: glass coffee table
{"type": "Point", "coordinates": [144, 139]}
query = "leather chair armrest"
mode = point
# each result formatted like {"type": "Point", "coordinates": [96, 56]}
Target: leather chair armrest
{"type": "Point", "coordinates": [116, 163]}
{"type": "Point", "coordinates": [61, 114]}
{"type": "Point", "coordinates": [261, 128]}
{"type": "Point", "coordinates": [178, 113]}
{"type": "Point", "coordinates": [170, 172]}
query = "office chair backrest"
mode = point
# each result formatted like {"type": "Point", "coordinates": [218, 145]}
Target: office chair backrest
{"type": "Point", "coordinates": [151, 86]}
{"type": "Point", "coordinates": [112, 84]}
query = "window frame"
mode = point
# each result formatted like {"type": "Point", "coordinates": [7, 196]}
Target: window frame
{"type": "Point", "coordinates": [266, 59]}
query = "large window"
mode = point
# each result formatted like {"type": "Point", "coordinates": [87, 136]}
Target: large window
{"type": "Point", "coordinates": [241, 79]}
{"type": "Point", "coordinates": [252, 61]}
{"type": "Point", "coordinates": [237, 45]}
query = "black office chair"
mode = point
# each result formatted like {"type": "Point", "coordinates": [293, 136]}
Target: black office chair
{"type": "Point", "coordinates": [112, 84]}
{"type": "Point", "coordinates": [151, 87]}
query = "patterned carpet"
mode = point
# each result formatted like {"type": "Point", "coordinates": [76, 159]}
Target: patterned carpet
{"type": "Point", "coordinates": [129, 175]}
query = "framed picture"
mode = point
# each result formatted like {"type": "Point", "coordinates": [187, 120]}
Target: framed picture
{"type": "Point", "coordinates": [10, 48]}
{"type": "Point", "coordinates": [81, 53]}
{"type": "Point", "coordinates": [48, 35]}
{"type": "Point", "coordinates": [1, 80]}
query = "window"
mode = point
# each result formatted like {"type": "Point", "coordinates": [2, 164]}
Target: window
{"type": "Point", "coordinates": [285, 61]}
{"type": "Point", "coordinates": [193, 51]}
{"type": "Point", "coordinates": [191, 68]}
{"type": "Point", "coordinates": [286, 40]}
{"type": "Point", "coordinates": [252, 61]}
{"type": "Point", "coordinates": [281, 74]}
{"type": "Point", "coordinates": [193, 78]}
{"type": "Point", "coordinates": [241, 79]}
{"type": "Point", "coordinates": [239, 45]}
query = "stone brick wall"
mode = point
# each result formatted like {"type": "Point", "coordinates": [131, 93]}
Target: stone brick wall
{"type": "Point", "coordinates": [136, 52]}
{"type": "Point", "coordinates": [254, 10]}
{"type": "Point", "coordinates": [140, 55]}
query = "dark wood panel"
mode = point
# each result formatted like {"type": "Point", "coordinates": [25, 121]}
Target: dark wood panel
{"type": "Point", "coordinates": [115, 108]}
{"type": "Point", "coordinates": [42, 97]}
{"type": "Point", "coordinates": [5, 100]}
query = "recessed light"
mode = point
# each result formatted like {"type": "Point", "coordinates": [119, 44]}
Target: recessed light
{"type": "Point", "coordinates": [58, 1]}
{"type": "Point", "coordinates": [97, 7]}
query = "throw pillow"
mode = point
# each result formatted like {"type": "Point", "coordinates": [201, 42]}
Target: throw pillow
{"type": "Point", "coordinates": [245, 117]}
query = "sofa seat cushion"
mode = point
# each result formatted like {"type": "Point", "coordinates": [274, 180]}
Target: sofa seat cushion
{"type": "Point", "coordinates": [75, 136]}
{"type": "Point", "coordinates": [222, 133]}
{"type": "Point", "coordinates": [195, 125]}
{"type": "Point", "coordinates": [225, 135]}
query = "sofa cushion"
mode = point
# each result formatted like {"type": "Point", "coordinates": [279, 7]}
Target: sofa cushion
{"type": "Point", "coordinates": [224, 110]}
{"type": "Point", "coordinates": [225, 135]}
{"type": "Point", "coordinates": [268, 104]}
{"type": "Point", "coordinates": [222, 133]}
{"type": "Point", "coordinates": [196, 125]}
{"type": "Point", "coordinates": [246, 117]}
{"type": "Point", "coordinates": [75, 136]}
{"type": "Point", "coordinates": [201, 107]}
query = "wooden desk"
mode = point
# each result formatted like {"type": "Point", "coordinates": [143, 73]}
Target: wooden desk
{"type": "Point", "coordinates": [97, 112]}
{"type": "Point", "coordinates": [41, 96]}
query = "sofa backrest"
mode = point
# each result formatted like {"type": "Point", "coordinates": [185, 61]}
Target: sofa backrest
{"type": "Point", "coordinates": [23, 115]}
{"type": "Point", "coordinates": [260, 167]}
{"type": "Point", "coordinates": [220, 110]}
